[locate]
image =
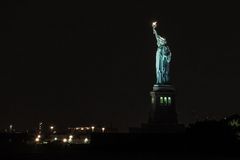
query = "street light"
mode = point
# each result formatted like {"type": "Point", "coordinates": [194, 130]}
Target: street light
{"type": "Point", "coordinates": [103, 129]}
{"type": "Point", "coordinates": [64, 140]}
{"type": "Point", "coordinates": [86, 140]}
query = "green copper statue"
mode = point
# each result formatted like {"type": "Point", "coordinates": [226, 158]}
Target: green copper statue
{"type": "Point", "coordinates": [163, 58]}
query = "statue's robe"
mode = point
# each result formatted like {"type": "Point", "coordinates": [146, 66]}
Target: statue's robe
{"type": "Point", "coordinates": [163, 58]}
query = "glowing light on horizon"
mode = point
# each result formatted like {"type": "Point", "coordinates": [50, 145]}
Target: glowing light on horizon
{"type": "Point", "coordinates": [86, 140]}
{"type": "Point", "coordinates": [103, 129]}
{"type": "Point", "coordinates": [37, 140]}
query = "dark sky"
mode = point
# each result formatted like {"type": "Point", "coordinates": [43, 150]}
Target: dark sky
{"type": "Point", "coordinates": [75, 63]}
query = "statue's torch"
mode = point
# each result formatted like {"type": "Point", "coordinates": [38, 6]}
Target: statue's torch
{"type": "Point", "coordinates": [154, 24]}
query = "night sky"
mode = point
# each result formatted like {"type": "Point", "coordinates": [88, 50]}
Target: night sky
{"type": "Point", "coordinates": [73, 64]}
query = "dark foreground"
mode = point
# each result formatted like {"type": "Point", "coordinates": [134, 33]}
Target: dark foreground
{"type": "Point", "coordinates": [130, 146]}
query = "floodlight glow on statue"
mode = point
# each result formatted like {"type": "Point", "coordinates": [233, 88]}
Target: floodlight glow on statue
{"type": "Point", "coordinates": [163, 58]}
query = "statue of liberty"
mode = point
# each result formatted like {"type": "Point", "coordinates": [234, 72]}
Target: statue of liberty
{"type": "Point", "coordinates": [163, 58]}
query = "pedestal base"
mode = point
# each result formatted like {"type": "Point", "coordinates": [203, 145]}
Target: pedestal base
{"type": "Point", "coordinates": [163, 116]}
{"type": "Point", "coordinates": [163, 109]}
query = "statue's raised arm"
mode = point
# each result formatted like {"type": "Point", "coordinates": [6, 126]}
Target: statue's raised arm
{"type": "Point", "coordinates": [158, 37]}
{"type": "Point", "coordinates": [154, 25]}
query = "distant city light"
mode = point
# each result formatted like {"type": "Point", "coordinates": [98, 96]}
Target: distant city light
{"type": "Point", "coordinates": [39, 136]}
{"type": "Point", "coordinates": [93, 128]}
{"type": "Point", "coordinates": [51, 127]}
{"type": "Point", "coordinates": [55, 139]}
{"type": "Point", "coordinates": [86, 140]}
{"type": "Point", "coordinates": [64, 140]}
{"type": "Point", "coordinates": [103, 129]}
{"type": "Point", "coordinates": [71, 136]}
{"type": "Point", "coordinates": [37, 139]}
{"type": "Point", "coordinates": [70, 140]}
{"type": "Point", "coordinates": [82, 128]}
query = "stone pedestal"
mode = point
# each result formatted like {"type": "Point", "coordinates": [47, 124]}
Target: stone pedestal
{"type": "Point", "coordinates": [163, 105]}
{"type": "Point", "coordinates": [163, 115]}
